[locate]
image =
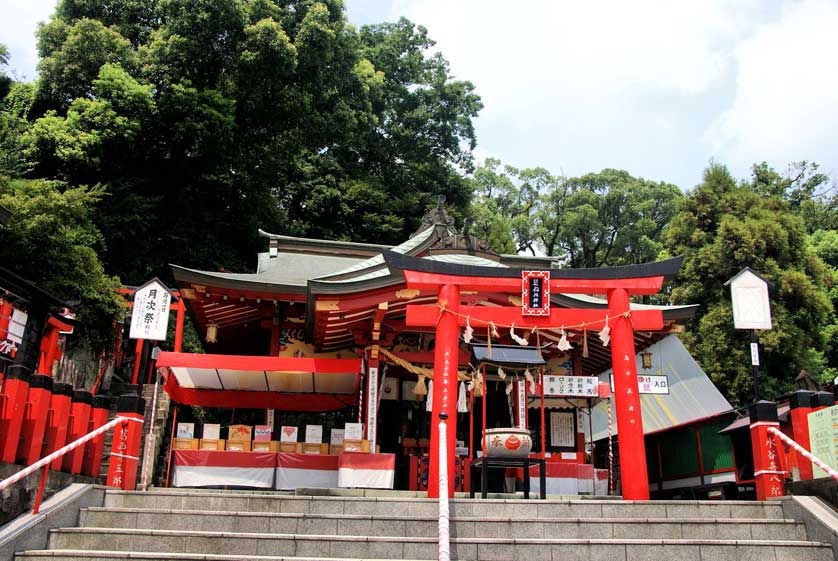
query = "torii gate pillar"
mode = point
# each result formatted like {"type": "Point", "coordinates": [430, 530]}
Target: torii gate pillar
{"type": "Point", "coordinates": [633, 473]}
{"type": "Point", "coordinates": [446, 352]}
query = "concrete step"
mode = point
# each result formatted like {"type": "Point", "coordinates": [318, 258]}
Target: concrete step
{"type": "Point", "coordinates": [427, 526]}
{"type": "Point", "coordinates": [480, 549]}
{"type": "Point", "coordinates": [75, 554]}
{"type": "Point", "coordinates": [389, 506]}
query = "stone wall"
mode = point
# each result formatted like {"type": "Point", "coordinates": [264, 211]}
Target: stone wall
{"type": "Point", "coordinates": [20, 497]}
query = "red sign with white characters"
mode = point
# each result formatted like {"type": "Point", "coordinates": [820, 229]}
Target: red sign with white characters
{"type": "Point", "coordinates": [535, 293]}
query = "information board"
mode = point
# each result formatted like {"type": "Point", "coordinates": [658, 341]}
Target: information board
{"type": "Point", "coordinates": [823, 438]}
{"type": "Point", "coordinates": [576, 386]}
{"type": "Point", "coordinates": [561, 429]}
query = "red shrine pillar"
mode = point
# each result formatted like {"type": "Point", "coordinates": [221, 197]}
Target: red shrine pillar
{"type": "Point", "coordinates": [768, 460]}
{"type": "Point", "coordinates": [93, 449]}
{"type": "Point", "coordinates": [446, 358]}
{"type": "Point", "coordinates": [55, 436]}
{"type": "Point", "coordinates": [633, 474]}
{"type": "Point", "coordinates": [35, 419]}
{"type": "Point", "coordinates": [12, 407]}
{"type": "Point", "coordinates": [801, 406]}
{"type": "Point", "coordinates": [181, 313]}
{"type": "Point", "coordinates": [79, 421]}
{"type": "Point", "coordinates": [125, 450]}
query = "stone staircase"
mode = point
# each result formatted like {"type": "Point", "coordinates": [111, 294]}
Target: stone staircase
{"type": "Point", "coordinates": [192, 525]}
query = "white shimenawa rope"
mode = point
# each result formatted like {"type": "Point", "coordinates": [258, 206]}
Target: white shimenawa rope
{"type": "Point", "coordinates": [61, 451]}
{"type": "Point", "coordinates": [444, 550]}
{"type": "Point", "coordinates": [804, 452]}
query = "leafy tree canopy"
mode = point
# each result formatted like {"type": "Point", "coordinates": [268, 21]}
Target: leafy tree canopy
{"type": "Point", "coordinates": [52, 240]}
{"type": "Point", "coordinates": [204, 120]}
{"type": "Point", "coordinates": [724, 226]}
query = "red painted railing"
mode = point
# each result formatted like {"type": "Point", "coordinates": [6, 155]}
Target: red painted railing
{"type": "Point", "coordinates": [804, 452]}
{"type": "Point", "coordinates": [47, 460]}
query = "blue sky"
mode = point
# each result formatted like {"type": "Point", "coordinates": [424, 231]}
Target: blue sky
{"type": "Point", "coordinates": [656, 88]}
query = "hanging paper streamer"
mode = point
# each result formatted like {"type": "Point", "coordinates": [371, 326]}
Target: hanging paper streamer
{"type": "Point", "coordinates": [585, 344]}
{"type": "Point", "coordinates": [462, 403]}
{"type": "Point", "coordinates": [429, 403]}
{"type": "Point", "coordinates": [520, 340]}
{"type": "Point", "coordinates": [527, 375]}
{"type": "Point", "coordinates": [501, 373]}
{"type": "Point", "coordinates": [605, 334]}
{"type": "Point", "coordinates": [468, 334]}
{"type": "Point", "coordinates": [564, 344]}
{"type": "Point", "coordinates": [508, 387]}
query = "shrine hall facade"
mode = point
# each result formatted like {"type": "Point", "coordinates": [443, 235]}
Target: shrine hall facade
{"type": "Point", "coordinates": [347, 303]}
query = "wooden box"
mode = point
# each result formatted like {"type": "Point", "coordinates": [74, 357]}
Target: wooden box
{"type": "Point", "coordinates": [335, 449]}
{"type": "Point", "coordinates": [356, 445]}
{"type": "Point", "coordinates": [315, 448]}
{"type": "Point", "coordinates": [288, 447]}
{"type": "Point", "coordinates": [211, 444]}
{"type": "Point", "coordinates": [238, 445]}
{"type": "Point", "coordinates": [185, 444]}
{"type": "Point", "coordinates": [265, 446]}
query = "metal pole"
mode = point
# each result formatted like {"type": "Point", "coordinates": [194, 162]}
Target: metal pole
{"type": "Point", "coordinates": [755, 363]}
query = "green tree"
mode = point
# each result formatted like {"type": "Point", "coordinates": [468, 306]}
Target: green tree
{"type": "Point", "coordinates": [722, 227]}
{"type": "Point", "coordinates": [205, 120]}
{"type": "Point", "coordinates": [51, 240]}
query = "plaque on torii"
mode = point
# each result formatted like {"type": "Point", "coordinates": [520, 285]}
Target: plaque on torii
{"type": "Point", "coordinates": [447, 316]}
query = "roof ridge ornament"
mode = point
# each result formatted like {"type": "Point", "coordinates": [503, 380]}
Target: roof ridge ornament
{"type": "Point", "coordinates": [448, 240]}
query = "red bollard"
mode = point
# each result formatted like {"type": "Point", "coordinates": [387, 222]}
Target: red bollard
{"type": "Point", "coordinates": [79, 419]}
{"type": "Point", "coordinates": [34, 419]}
{"type": "Point", "coordinates": [800, 403]}
{"type": "Point", "coordinates": [125, 446]}
{"type": "Point", "coordinates": [12, 407]}
{"type": "Point", "coordinates": [92, 462]}
{"type": "Point", "coordinates": [768, 455]}
{"type": "Point", "coordinates": [59, 417]}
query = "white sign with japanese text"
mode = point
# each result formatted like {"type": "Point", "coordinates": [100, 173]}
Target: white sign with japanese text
{"type": "Point", "coordinates": [522, 404]}
{"type": "Point", "coordinates": [372, 405]}
{"type": "Point", "coordinates": [150, 315]}
{"type": "Point", "coordinates": [576, 386]}
{"type": "Point", "coordinates": [650, 384]}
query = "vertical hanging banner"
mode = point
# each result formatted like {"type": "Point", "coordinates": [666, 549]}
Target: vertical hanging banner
{"type": "Point", "coordinates": [372, 406]}
{"type": "Point", "coordinates": [522, 404]}
{"type": "Point", "coordinates": [535, 293]}
{"type": "Point", "coordinates": [150, 315]}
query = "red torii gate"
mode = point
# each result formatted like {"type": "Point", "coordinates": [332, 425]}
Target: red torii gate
{"type": "Point", "coordinates": [447, 316]}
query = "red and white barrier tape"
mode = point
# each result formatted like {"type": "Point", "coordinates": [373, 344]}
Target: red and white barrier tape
{"type": "Point", "coordinates": [804, 452]}
{"type": "Point", "coordinates": [60, 452]}
{"type": "Point", "coordinates": [444, 532]}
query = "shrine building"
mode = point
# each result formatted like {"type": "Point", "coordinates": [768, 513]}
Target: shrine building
{"type": "Point", "coordinates": [335, 347]}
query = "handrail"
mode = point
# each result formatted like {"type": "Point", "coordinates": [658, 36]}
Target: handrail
{"type": "Point", "coordinates": [47, 460]}
{"type": "Point", "coordinates": [444, 532]}
{"type": "Point", "coordinates": [806, 454]}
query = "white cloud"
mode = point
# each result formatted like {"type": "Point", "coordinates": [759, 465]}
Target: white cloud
{"type": "Point", "coordinates": [786, 102]}
{"type": "Point", "coordinates": [583, 53]}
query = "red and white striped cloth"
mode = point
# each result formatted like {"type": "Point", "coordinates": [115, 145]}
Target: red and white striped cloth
{"type": "Point", "coordinates": [215, 468]}
{"type": "Point", "coordinates": [570, 479]}
{"type": "Point", "coordinates": [371, 471]}
{"type": "Point", "coordinates": [306, 470]}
